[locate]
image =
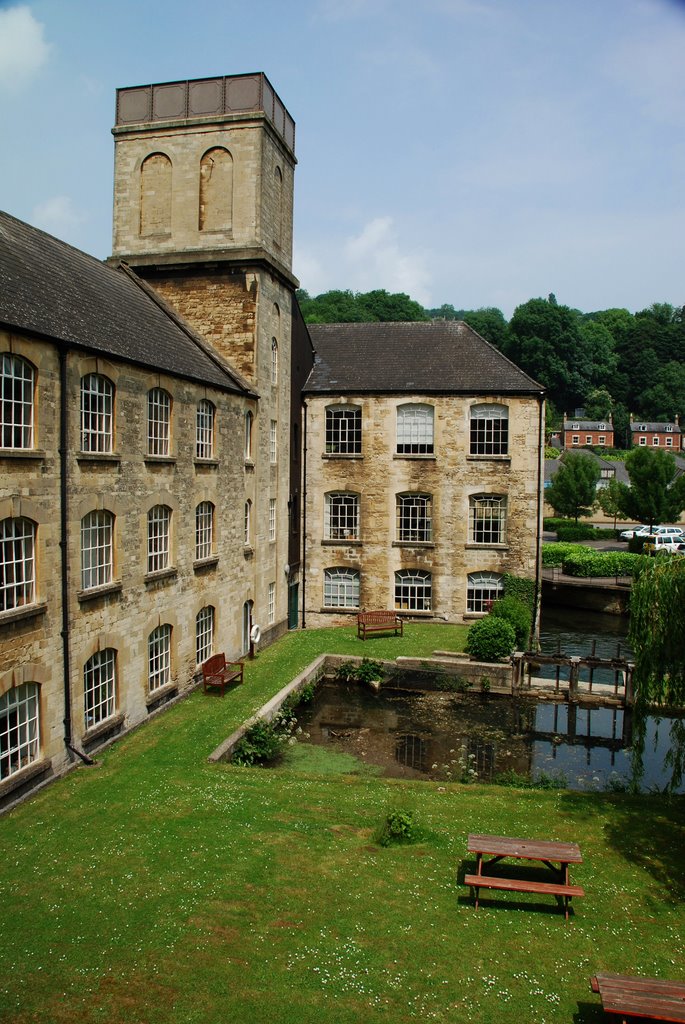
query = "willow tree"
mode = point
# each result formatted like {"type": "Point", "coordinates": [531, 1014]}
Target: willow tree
{"type": "Point", "coordinates": [657, 636]}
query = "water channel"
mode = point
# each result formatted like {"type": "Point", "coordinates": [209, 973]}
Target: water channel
{"type": "Point", "coordinates": [423, 732]}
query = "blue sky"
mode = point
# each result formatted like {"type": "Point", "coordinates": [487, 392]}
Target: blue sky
{"type": "Point", "coordinates": [475, 152]}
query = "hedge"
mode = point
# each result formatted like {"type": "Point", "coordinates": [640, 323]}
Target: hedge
{"type": "Point", "coordinates": [587, 563]}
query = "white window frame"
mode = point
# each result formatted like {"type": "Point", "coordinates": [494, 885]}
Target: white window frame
{"type": "Point", "coordinates": [204, 634]}
{"type": "Point", "coordinates": [601, 439]}
{"type": "Point", "coordinates": [274, 361]}
{"type": "Point", "coordinates": [97, 414]}
{"type": "Point", "coordinates": [413, 590]}
{"type": "Point", "coordinates": [19, 728]}
{"type": "Point", "coordinates": [655, 441]}
{"type": "Point", "coordinates": [414, 518]}
{"type": "Point", "coordinates": [204, 531]}
{"type": "Point", "coordinates": [341, 587]}
{"type": "Point", "coordinates": [482, 589]}
{"type": "Point", "coordinates": [341, 516]}
{"type": "Point", "coordinates": [669, 442]}
{"type": "Point", "coordinates": [642, 441]}
{"type": "Point", "coordinates": [272, 519]}
{"type": "Point", "coordinates": [271, 611]}
{"type": "Point", "coordinates": [588, 439]}
{"type": "Point", "coordinates": [247, 524]}
{"type": "Point", "coordinates": [97, 549]}
{"type": "Point", "coordinates": [248, 435]}
{"type": "Point", "coordinates": [159, 657]}
{"type": "Point", "coordinates": [489, 429]}
{"type": "Point", "coordinates": [415, 429]}
{"type": "Point", "coordinates": [273, 442]}
{"type": "Point", "coordinates": [17, 389]}
{"type": "Point", "coordinates": [99, 687]}
{"type": "Point", "coordinates": [487, 519]}
{"type": "Point", "coordinates": [204, 429]}
{"type": "Point", "coordinates": [343, 430]}
{"type": "Point", "coordinates": [158, 423]}
{"type": "Point", "coordinates": [158, 538]}
{"type": "Point", "coordinates": [575, 439]}
{"type": "Point", "coordinates": [17, 563]}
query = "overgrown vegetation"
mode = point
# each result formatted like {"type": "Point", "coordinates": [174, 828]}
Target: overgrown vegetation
{"type": "Point", "coordinates": [518, 615]}
{"type": "Point", "coordinates": [359, 672]}
{"type": "Point", "coordinates": [399, 827]}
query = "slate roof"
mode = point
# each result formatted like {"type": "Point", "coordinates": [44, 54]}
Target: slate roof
{"type": "Point", "coordinates": [606, 426]}
{"type": "Point", "coordinates": [441, 357]}
{"type": "Point", "coordinates": [647, 427]}
{"type": "Point", "coordinates": [50, 289]}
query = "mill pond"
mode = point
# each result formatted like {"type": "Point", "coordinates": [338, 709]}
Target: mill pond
{"type": "Point", "coordinates": [411, 729]}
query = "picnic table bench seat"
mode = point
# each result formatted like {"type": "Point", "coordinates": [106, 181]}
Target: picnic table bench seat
{"type": "Point", "coordinates": [380, 621]}
{"type": "Point", "coordinates": [565, 892]}
{"type": "Point", "coordinates": [625, 995]}
{"type": "Point", "coordinates": [217, 673]}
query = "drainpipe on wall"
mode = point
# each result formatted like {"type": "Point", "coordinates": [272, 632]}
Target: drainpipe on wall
{"type": "Point", "coordinates": [535, 629]}
{"type": "Point", "coordinates": [64, 550]}
{"type": "Point", "coordinates": [304, 512]}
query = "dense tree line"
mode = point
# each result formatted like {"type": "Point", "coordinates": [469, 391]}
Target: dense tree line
{"type": "Point", "coordinates": [607, 362]}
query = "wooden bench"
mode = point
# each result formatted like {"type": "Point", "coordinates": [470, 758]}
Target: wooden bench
{"type": "Point", "coordinates": [376, 622]}
{"type": "Point", "coordinates": [651, 998]}
{"type": "Point", "coordinates": [565, 892]}
{"type": "Point", "coordinates": [500, 847]}
{"type": "Point", "coordinates": [217, 673]}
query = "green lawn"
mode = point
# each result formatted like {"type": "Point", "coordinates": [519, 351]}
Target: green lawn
{"type": "Point", "coordinates": [156, 887]}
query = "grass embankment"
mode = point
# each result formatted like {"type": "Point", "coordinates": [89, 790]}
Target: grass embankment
{"type": "Point", "coordinates": [159, 888]}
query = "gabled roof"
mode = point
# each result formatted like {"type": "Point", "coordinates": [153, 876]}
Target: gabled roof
{"type": "Point", "coordinates": [50, 289]}
{"type": "Point", "coordinates": [606, 426]}
{"type": "Point", "coordinates": [645, 426]}
{"type": "Point", "coordinates": [441, 357]}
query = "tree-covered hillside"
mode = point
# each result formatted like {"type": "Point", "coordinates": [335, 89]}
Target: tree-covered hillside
{"type": "Point", "coordinates": [609, 361]}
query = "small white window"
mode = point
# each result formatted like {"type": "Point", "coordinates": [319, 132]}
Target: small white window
{"type": "Point", "coordinates": [19, 728]}
{"type": "Point", "coordinates": [575, 439]}
{"type": "Point", "coordinates": [17, 563]}
{"type": "Point", "coordinates": [248, 435]}
{"type": "Point", "coordinates": [588, 439]}
{"type": "Point", "coordinates": [274, 361]}
{"type": "Point", "coordinates": [272, 602]}
{"type": "Point", "coordinates": [158, 422]}
{"type": "Point", "coordinates": [655, 441]}
{"type": "Point", "coordinates": [16, 402]}
{"type": "Point", "coordinates": [669, 442]}
{"type": "Point", "coordinates": [158, 536]}
{"type": "Point", "coordinates": [204, 634]}
{"type": "Point", "coordinates": [159, 657]}
{"type": "Point", "coordinates": [272, 519]}
{"type": "Point", "coordinates": [99, 687]}
{"type": "Point", "coordinates": [413, 590]}
{"type": "Point", "coordinates": [341, 588]}
{"type": "Point", "coordinates": [204, 433]}
{"type": "Point", "coordinates": [97, 414]}
{"type": "Point", "coordinates": [247, 538]}
{"type": "Point", "coordinates": [273, 441]}
{"type": "Point", "coordinates": [97, 529]}
{"type": "Point", "coordinates": [643, 441]}
{"type": "Point", "coordinates": [601, 439]}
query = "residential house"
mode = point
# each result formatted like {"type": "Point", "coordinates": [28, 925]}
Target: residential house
{"type": "Point", "coordinates": [587, 433]}
{"type": "Point", "coordinates": [645, 434]}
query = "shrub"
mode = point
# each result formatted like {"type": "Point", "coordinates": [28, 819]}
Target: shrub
{"type": "Point", "coordinates": [579, 532]}
{"type": "Point", "coordinates": [521, 587]}
{"type": "Point", "coordinates": [263, 742]}
{"type": "Point", "coordinates": [361, 673]}
{"type": "Point", "coordinates": [491, 639]}
{"type": "Point", "coordinates": [518, 615]}
{"type": "Point", "coordinates": [398, 827]}
{"type": "Point", "coordinates": [587, 563]}
{"type": "Point", "coordinates": [553, 555]}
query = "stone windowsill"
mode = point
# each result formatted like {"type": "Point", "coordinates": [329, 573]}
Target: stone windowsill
{"type": "Point", "coordinates": [413, 544]}
{"type": "Point", "coordinates": [24, 775]}
{"type": "Point", "coordinates": [205, 563]}
{"type": "Point", "coordinates": [107, 457]}
{"type": "Point", "coordinates": [102, 728]}
{"type": "Point", "coordinates": [160, 460]}
{"type": "Point", "coordinates": [474, 615]}
{"type": "Point", "coordinates": [350, 456]}
{"type": "Point", "coordinates": [343, 542]}
{"type": "Point", "coordinates": [205, 463]}
{"type": "Point", "coordinates": [414, 613]}
{"type": "Point", "coordinates": [488, 458]}
{"type": "Point", "coordinates": [162, 574]}
{"type": "Point", "coordinates": [162, 693]}
{"type": "Point", "coordinates": [22, 453]}
{"type": "Point", "coordinates": [25, 611]}
{"type": "Point", "coordinates": [94, 592]}
{"type": "Point", "coordinates": [486, 547]}
{"type": "Point", "coordinates": [420, 456]}
{"type": "Point", "coordinates": [339, 611]}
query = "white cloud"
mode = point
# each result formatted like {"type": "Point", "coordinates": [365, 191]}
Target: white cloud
{"type": "Point", "coordinates": [23, 49]}
{"type": "Point", "coordinates": [58, 216]}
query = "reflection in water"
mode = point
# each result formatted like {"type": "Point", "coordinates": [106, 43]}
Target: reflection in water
{"type": "Point", "coordinates": [456, 736]}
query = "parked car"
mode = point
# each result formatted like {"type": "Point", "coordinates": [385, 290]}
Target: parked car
{"type": "Point", "coordinates": [637, 531]}
{"type": "Point", "coordinates": [656, 543]}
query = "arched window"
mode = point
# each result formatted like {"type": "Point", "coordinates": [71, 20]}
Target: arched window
{"type": "Point", "coordinates": [489, 434]}
{"type": "Point", "coordinates": [158, 538]}
{"type": "Point", "coordinates": [99, 687]}
{"type": "Point", "coordinates": [97, 414]}
{"type": "Point", "coordinates": [17, 378]}
{"type": "Point", "coordinates": [278, 206]}
{"type": "Point", "coordinates": [204, 530]}
{"type": "Point", "coordinates": [19, 728]}
{"type": "Point", "coordinates": [155, 195]}
{"type": "Point", "coordinates": [343, 430]}
{"type": "Point", "coordinates": [413, 590]}
{"type": "Point", "coordinates": [204, 634]}
{"type": "Point", "coordinates": [158, 422]}
{"type": "Point", "coordinates": [341, 588]}
{"type": "Point", "coordinates": [216, 190]}
{"type": "Point", "coordinates": [487, 519]}
{"type": "Point", "coordinates": [17, 563]}
{"type": "Point", "coordinates": [204, 434]}
{"type": "Point", "coordinates": [274, 361]}
{"type": "Point", "coordinates": [159, 657]}
{"type": "Point", "coordinates": [414, 518]}
{"type": "Point", "coordinates": [341, 516]}
{"type": "Point", "coordinates": [97, 563]}
{"type": "Point", "coordinates": [483, 589]}
{"type": "Point", "coordinates": [415, 430]}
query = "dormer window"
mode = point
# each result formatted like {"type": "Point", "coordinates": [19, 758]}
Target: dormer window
{"type": "Point", "coordinates": [576, 426]}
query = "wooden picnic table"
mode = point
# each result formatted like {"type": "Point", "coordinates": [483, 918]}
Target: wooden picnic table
{"type": "Point", "coordinates": [647, 998]}
{"type": "Point", "coordinates": [549, 852]}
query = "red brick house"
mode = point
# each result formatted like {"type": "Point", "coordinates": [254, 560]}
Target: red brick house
{"type": "Point", "coordinates": [579, 433]}
{"type": "Point", "coordinates": [645, 434]}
